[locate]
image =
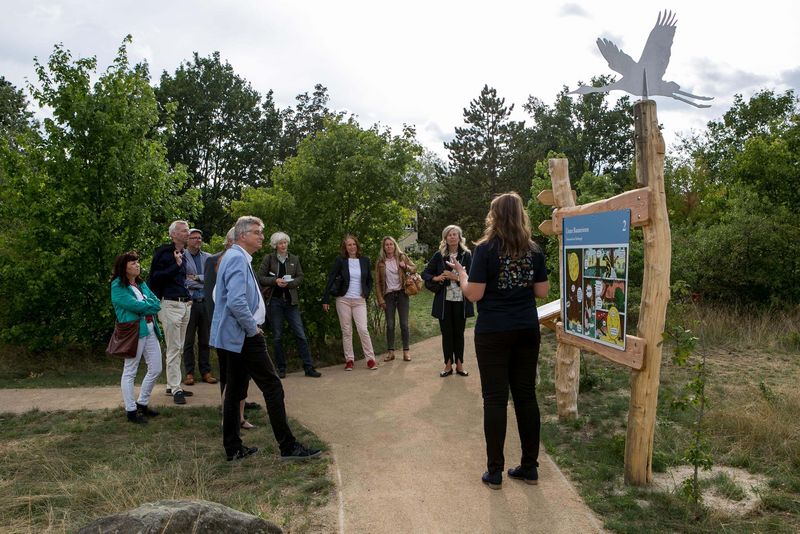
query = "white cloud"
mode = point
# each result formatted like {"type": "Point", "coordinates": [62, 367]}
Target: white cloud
{"type": "Point", "coordinates": [419, 62]}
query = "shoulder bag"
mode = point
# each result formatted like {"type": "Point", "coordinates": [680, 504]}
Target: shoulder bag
{"type": "Point", "coordinates": [125, 340]}
{"type": "Point", "coordinates": [412, 284]}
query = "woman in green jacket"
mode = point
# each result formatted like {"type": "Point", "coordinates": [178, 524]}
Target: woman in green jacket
{"type": "Point", "coordinates": [132, 301]}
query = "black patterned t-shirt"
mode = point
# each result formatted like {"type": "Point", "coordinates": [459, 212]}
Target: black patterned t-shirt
{"type": "Point", "coordinates": [508, 302]}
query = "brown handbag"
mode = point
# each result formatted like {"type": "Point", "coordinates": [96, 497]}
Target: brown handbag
{"type": "Point", "coordinates": [413, 284]}
{"type": "Point", "coordinates": [125, 340]}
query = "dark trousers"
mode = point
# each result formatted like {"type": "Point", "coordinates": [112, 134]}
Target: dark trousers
{"type": "Point", "coordinates": [397, 300]}
{"type": "Point", "coordinates": [452, 327]}
{"type": "Point", "coordinates": [222, 356]}
{"type": "Point", "coordinates": [200, 325]}
{"type": "Point", "coordinates": [508, 360]}
{"type": "Point", "coordinates": [253, 360]}
{"type": "Point", "coordinates": [279, 310]}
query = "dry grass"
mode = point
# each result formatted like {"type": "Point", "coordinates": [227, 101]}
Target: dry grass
{"type": "Point", "coordinates": [61, 470]}
{"type": "Point", "coordinates": [756, 424]}
{"type": "Point", "coordinates": [721, 327]}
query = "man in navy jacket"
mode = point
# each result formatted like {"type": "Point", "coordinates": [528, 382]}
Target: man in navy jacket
{"type": "Point", "coordinates": [168, 281]}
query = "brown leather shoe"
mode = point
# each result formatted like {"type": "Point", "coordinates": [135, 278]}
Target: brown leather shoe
{"type": "Point", "coordinates": [208, 379]}
{"type": "Point", "coordinates": [189, 380]}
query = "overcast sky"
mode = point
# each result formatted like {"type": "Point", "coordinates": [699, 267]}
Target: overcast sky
{"type": "Point", "coordinates": [421, 62]}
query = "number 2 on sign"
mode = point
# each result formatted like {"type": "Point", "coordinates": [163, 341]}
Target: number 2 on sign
{"type": "Point", "coordinates": [624, 225]}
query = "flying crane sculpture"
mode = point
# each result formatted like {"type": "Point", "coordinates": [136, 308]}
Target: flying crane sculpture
{"type": "Point", "coordinates": [645, 77]}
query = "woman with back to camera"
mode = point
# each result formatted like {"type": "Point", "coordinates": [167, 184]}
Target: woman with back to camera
{"type": "Point", "coordinates": [449, 304]}
{"type": "Point", "coordinates": [352, 275]}
{"type": "Point", "coordinates": [133, 301]}
{"type": "Point", "coordinates": [390, 275]}
{"type": "Point", "coordinates": [508, 274]}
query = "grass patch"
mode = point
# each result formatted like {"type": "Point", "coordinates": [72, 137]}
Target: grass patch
{"type": "Point", "coordinates": [61, 470]}
{"type": "Point", "coordinates": [753, 422]}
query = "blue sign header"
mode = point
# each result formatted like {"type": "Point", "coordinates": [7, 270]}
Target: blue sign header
{"type": "Point", "coordinates": [608, 227]}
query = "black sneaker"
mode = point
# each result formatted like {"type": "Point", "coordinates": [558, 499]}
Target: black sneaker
{"type": "Point", "coordinates": [143, 409]}
{"type": "Point", "coordinates": [281, 374]}
{"type": "Point", "coordinates": [300, 453]}
{"type": "Point", "coordinates": [493, 480]}
{"type": "Point", "coordinates": [313, 373]}
{"type": "Point", "coordinates": [136, 418]}
{"type": "Point", "coordinates": [186, 393]}
{"type": "Point", "coordinates": [243, 452]}
{"type": "Point", "coordinates": [529, 475]}
{"type": "Point", "coordinates": [179, 397]}
{"type": "Point", "coordinates": [252, 406]}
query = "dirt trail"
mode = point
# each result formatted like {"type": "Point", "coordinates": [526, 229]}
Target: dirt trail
{"type": "Point", "coordinates": [407, 445]}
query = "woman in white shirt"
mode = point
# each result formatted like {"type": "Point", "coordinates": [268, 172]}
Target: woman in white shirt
{"type": "Point", "coordinates": [350, 281]}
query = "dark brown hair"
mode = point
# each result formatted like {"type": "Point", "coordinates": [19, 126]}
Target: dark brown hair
{"type": "Point", "coordinates": [121, 267]}
{"type": "Point", "coordinates": [344, 246]}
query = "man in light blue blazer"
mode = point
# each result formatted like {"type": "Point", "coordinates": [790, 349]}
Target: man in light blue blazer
{"type": "Point", "coordinates": [239, 312]}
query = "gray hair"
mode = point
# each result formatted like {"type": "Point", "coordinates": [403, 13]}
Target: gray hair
{"type": "Point", "coordinates": [229, 237]}
{"type": "Point", "coordinates": [174, 226]}
{"type": "Point", "coordinates": [277, 237]}
{"type": "Point", "coordinates": [243, 225]}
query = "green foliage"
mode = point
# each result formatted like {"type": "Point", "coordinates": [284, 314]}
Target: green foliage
{"type": "Point", "coordinates": [15, 117]}
{"type": "Point", "coordinates": [750, 255]}
{"type": "Point", "coordinates": [344, 179]}
{"type": "Point", "coordinates": [596, 139]}
{"type": "Point", "coordinates": [693, 396]}
{"type": "Point", "coordinates": [307, 118]}
{"type": "Point", "coordinates": [95, 184]}
{"type": "Point", "coordinates": [223, 134]}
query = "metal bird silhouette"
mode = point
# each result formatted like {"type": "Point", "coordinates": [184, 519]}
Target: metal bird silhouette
{"type": "Point", "coordinates": [645, 77]}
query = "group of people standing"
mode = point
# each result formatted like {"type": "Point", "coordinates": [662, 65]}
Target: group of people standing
{"type": "Point", "coordinates": [504, 277]}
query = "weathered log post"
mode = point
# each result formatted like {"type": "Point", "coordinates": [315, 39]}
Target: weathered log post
{"type": "Point", "coordinates": [655, 296]}
{"type": "Point", "coordinates": [568, 357]}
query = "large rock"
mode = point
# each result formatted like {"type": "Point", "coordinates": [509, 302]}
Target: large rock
{"type": "Point", "coordinates": [181, 517]}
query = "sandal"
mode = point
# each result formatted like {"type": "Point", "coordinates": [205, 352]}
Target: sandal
{"type": "Point", "coordinates": [246, 425]}
{"type": "Point", "coordinates": [389, 357]}
{"type": "Point", "coordinates": [462, 373]}
{"type": "Point", "coordinates": [444, 374]}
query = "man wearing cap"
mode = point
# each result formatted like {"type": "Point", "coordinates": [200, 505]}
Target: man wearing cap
{"type": "Point", "coordinates": [168, 282]}
{"type": "Point", "coordinates": [199, 321]}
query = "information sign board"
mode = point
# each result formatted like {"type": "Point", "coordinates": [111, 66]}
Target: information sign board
{"type": "Point", "coordinates": [596, 279]}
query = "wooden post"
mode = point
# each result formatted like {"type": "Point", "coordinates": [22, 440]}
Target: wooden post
{"type": "Point", "coordinates": [568, 357]}
{"type": "Point", "coordinates": [655, 295]}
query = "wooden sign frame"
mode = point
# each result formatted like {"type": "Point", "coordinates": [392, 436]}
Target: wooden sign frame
{"type": "Point", "coordinates": [643, 353]}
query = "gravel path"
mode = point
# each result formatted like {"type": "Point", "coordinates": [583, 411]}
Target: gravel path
{"type": "Point", "coordinates": [407, 445]}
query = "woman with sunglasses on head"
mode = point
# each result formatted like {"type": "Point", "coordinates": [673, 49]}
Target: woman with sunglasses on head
{"type": "Point", "coordinates": [390, 275]}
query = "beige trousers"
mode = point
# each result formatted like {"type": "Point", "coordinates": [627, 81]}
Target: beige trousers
{"type": "Point", "coordinates": [174, 317]}
{"type": "Point", "coordinates": [354, 310]}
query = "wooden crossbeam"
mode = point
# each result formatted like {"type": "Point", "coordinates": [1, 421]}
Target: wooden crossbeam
{"type": "Point", "coordinates": [632, 356]}
{"type": "Point", "coordinates": [549, 314]}
{"type": "Point", "coordinates": [638, 201]}
{"type": "Point", "coordinates": [548, 198]}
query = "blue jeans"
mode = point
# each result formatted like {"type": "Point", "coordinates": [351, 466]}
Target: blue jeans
{"type": "Point", "coordinates": [279, 310]}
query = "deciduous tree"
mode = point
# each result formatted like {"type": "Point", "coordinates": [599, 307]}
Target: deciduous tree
{"type": "Point", "coordinates": [97, 183]}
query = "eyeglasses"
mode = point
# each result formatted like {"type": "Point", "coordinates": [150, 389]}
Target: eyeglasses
{"type": "Point", "coordinates": [257, 232]}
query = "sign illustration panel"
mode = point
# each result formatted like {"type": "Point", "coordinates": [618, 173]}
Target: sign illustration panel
{"type": "Point", "coordinates": [596, 279]}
